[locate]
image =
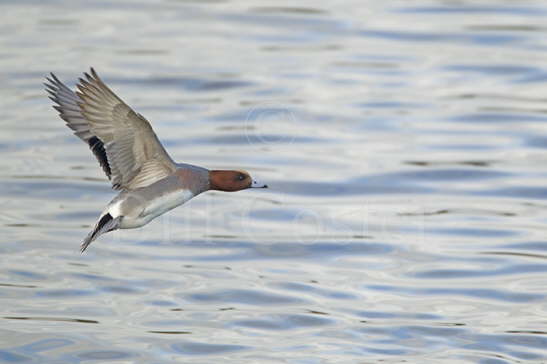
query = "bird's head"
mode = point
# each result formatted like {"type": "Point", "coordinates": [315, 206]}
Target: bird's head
{"type": "Point", "coordinates": [231, 181]}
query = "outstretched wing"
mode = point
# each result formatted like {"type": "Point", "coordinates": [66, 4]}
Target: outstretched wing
{"type": "Point", "coordinates": [69, 110]}
{"type": "Point", "coordinates": [123, 141]}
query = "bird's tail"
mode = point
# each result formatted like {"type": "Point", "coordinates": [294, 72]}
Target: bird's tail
{"type": "Point", "coordinates": [106, 223]}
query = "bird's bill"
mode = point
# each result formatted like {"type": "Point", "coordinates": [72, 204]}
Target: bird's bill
{"type": "Point", "coordinates": [257, 184]}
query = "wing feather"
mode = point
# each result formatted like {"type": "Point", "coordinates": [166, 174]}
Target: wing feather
{"type": "Point", "coordinates": [69, 110]}
{"type": "Point", "coordinates": [122, 140]}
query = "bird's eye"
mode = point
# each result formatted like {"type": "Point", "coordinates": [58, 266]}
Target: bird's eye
{"type": "Point", "coordinates": [241, 177]}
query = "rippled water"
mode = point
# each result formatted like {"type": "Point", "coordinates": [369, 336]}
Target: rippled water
{"type": "Point", "coordinates": [404, 144]}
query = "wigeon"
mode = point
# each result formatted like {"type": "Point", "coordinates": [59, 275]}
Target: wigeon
{"type": "Point", "coordinates": [132, 157]}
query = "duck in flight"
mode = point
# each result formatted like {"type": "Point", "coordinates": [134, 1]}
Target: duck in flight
{"type": "Point", "coordinates": [132, 157]}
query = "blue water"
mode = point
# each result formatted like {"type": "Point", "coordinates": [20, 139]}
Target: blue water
{"type": "Point", "coordinates": [404, 144]}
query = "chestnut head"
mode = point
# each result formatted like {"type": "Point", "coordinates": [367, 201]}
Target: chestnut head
{"type": "Point", "coordinates": [231, 181]}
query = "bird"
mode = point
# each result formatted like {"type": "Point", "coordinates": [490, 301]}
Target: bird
{"type": "Point", "coordinates": [149, 182]}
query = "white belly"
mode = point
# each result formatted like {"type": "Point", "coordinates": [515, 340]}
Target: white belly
{"type": "Point", "coordinates": [154, 208]}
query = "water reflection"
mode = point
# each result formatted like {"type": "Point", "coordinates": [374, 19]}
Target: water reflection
{"type": "Point", "coordinates": [403, 144]}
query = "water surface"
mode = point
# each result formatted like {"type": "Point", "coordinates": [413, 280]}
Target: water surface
{"type": "Point", "coordinates": [404, 144]}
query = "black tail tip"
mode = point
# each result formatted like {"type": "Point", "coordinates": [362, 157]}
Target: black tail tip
{"type": "Point", "coordinates": [99, 229]}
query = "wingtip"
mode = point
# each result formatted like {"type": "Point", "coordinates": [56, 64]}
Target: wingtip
{"type": "Point", "coordinates": [54, 77]}
{"type": "Point", "coordinates": [51, 84]}
{"type": "Point", "coordinates": [81, 95]}
{"type": "Point", "coordinates": [81, 90]}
